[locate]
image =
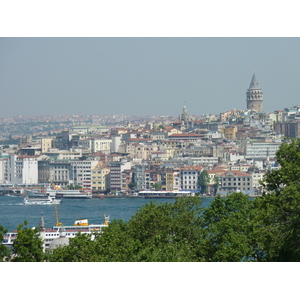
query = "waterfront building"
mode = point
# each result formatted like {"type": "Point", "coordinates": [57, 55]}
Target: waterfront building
{"type": "Point", "coordinates": [22, 169]}
{"type": "Point", "coordinates": [3, 168]}
{"type": "Point", "coordinates": [189, 177]}
{"type": "Point", "coordinates": [172, 180]}
{"type": "Point", "coordinates": [118, 175]}
{"type": "Point", "coordinates": [81, 173]}
{"type": "Point", "coordinates": [100, 178]}
{"type": "Point", "coordinates": [59, 172]}
{"type": "Point", "coordinates": [234, 181]}
{"type": "Point", "coordinates": [141, 177]}
{"type": "Point", "coordinates": [254, 96]}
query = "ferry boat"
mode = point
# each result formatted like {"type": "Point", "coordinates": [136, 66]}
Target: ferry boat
{"type": "Point", "coordinates": [53, 233]}
{"type": "Point", "coordinates": [58, 193]}
{"type": "Point", "coordinates": [164, 194]}
{"type": "Point", "coordinates": [41, 200]}
{"type": "Point", "coordinates": [70, 194]}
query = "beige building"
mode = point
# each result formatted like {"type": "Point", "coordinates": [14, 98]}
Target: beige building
{"type": "Point", "coordinates": [100, 178]}
{"type": "Point", "coordinates": [230, 132]}
{"type": "Point", "coordinates": [172, 180]}
{"type": "Point", "coordinates": [46, 144]}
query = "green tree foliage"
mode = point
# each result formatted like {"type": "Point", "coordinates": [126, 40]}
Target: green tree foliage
{"type": "Point", "coordinates": [167, 231]}
{"type": "Point", "coordinates": [203, 181]}
{"type": "Point", "coordinates": [132, 185]}
{"type": "Point", "coordinates": [215, 184]}
{"type": "Point", "coordinates": [157, 232]}
{"type": "Point", "coordinates": [227, 233]}
{"type": "Point", "coordinates": [4, 251]}
{"type": "Point", "coordinates": [28, 246]}
{"type": "Point", "coordinates": [278, 210]}
{"type": "Point", "coordinates": [80, 249]}
{"type": "Point", "coordinates": [157, 186]}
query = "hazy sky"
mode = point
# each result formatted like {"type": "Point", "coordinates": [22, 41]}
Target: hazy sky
{"type": "Point", "coordinates": [144, 76]}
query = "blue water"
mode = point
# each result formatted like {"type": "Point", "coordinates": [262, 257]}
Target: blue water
{"type": "Point", "coordinates": [13, 212]}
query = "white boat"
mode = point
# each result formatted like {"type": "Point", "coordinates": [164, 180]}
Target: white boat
{"type": "Point", "coordinates": [165, 194]}
{"type": "Point", "coordinates": [41, 200]}
{"type": "Point", "coordinates": [59, 193]}
{"type": "Point", "coordinates": [71, 231]}
{"type": "Point", "coordinates": [70, 194]}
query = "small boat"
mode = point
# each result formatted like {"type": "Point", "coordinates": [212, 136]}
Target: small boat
{"type": "Point", "coordinates": [41, 200]}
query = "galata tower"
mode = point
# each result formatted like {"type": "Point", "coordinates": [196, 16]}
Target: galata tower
{"type": "Point", "coordinates": [254, 96]}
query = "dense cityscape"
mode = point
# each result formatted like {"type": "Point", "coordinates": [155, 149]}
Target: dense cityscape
{"type": "Point", "coordinates": [124, 155]}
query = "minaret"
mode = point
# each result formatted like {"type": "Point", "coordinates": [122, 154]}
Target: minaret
{"type": "Point", "coordinates": [184, 116]}
{"type": "Point", "coordinates": [42, 230]}
{"type": "Point", "coordinates": [254, 96]}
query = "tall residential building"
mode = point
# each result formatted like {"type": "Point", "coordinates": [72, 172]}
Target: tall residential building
{"type": "Point", "coordinates": [254, 96]}
{"type": "Point", "coordinates": [22, 169]}
{"type": "Point", "coordinates": [118, 175]}
{"type": "Point", "coordinates": [189, 177]}
{"type": "Point", "coordinates": [100, 178]}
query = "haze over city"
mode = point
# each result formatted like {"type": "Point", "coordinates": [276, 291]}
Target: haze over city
{"type": "Point", "coordinates": [144, 76]}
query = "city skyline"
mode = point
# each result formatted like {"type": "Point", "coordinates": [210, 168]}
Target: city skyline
{"type": "Point", "coordinates": [144, 76]}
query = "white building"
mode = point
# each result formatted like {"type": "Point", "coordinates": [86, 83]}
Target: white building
{"type": "Point", "coordinates": [189, 178]}
{"type": "Point", "coordinates": [262, 150]}
{"type": "Point", "coordinates": [95, 144]}
{"type": "Point", "coordinates": [81, 173]}
{"type": "Point", "coordinates": [22, 169]}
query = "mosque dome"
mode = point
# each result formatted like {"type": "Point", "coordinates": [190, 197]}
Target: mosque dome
{"type": "Point", "coordinates": [61, 241]}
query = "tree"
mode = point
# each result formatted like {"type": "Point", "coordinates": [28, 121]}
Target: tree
{"type": "Point", "coordinates": [132, 185]}
{"type": "Point", "coordinates": [278, 210]}
{"type": "Point", "coordinates": [227, 230]}
{"type": "Point", "coordinates": [157, 232]}
{"type": "Point", "coordinates": [203, 181]}
{"type": "Point", "coordinates": [28, 246]}
{"type": "Point", "coordinates": [167, 231]}
{"type": "Point", "coordinates": [80, 249]}
{"type": "Point", "coordinates": [157, 186]}
{"type": "Point", "coordinates": [216, 184]}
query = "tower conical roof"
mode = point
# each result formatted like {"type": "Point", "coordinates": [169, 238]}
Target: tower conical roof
{"type": "Point", "coordinates": [254, 83]}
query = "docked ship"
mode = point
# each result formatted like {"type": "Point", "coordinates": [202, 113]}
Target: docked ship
{"type": "Point", "coordinates": [164, 194]}
{"type": "Point", "coordinates": [50, 234]}
{"type": "Point", "coordinates": [59, 193]}
{"type": "Point", "coordinates": [41, 200]}
{"type": "Point", "coordinates": [70, 194]}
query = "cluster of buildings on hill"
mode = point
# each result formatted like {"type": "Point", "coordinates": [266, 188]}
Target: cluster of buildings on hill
{"type": "Point", "coordinates": [236, 148]}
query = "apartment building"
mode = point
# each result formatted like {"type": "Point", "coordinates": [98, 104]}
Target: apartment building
{"type": "Point", "coordinates": [172, 180]}
{"type": "Point", "coordinates": [100, 178]}
{"type": "Point", "coordinates": [262, 150]}
{"type": "Point", "coordinates": [46, 144]}
{"type": "Point", "coordinates": [189, 177]}
{"type": "Point", "coordinates": [81, 173]}
{"type": "Point", "coordinates": [234, 181]}
{"type": "Point", "coordinates": [3, 170]}
{"type": "Point", "coordinates": [118, 175]}
{"type": "Point", "coordinates": [22, 169]}
{"type": "Point", "coordinates": [58, 172]}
